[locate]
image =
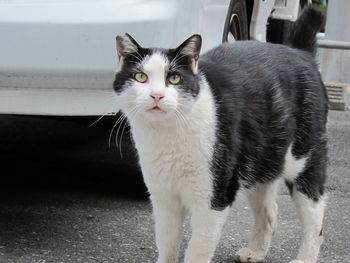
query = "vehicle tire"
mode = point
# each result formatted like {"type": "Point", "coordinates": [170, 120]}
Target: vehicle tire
{"type": "Point", "coordinates": [236, 25]}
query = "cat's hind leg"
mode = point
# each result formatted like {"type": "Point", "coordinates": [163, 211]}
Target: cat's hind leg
{"type": "Point", "coordinates": [311, 216]}
{"type": "Point", "coordinates": [307, 194]}
{"type": "Point", "coordinates": [307, 191]}
{"type": "Point", "coordinates": [262, 199]}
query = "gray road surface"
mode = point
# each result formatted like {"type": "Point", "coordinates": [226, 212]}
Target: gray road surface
{"type": "Point", "coordinates": [64, 199]}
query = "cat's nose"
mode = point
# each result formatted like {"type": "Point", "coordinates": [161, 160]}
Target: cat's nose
{"type": "Point", "coordinates": [157, 97]}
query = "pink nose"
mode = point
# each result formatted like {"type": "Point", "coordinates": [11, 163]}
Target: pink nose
{"type": "Point", "coordinates": [157, 97]}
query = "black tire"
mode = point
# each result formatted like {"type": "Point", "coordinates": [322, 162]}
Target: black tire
{"type": "Point", "coordinates": [236, 21]}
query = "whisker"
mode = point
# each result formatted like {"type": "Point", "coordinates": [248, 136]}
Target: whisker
{"type": "Point", "coordinates": [188, 124]}
{"type": "Point", "coordinates": [139, 58]}
{"type": "Point", "coordinates": [120, 139]}
{"type": "Point", "coordinates": [183, 119]}
{"type": "Point", "coordinates": [177, 66]}
{"type": "Point", "coordinates": [110, 134]}
{"type": "Point", "coordinates": [96, 121]}
{"type": "Point", "coordinates": [175, 60]}
{"type": "Point", "coordinates": [116, 136]}
{"type": "Point", "coordinates": [120, 121]}
{"type": "Point", "coordinates": [177, 124]}
{"type": "Point", "coordinates": [122, 132]}
{"type": "Point", "coordinates": [172, 61]}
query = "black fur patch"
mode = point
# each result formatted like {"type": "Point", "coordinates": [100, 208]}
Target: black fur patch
{"type": "Point", "coordinates": [267, 96]}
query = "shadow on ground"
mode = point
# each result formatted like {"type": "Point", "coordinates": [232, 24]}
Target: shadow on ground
{"type": "Point", "coordinates": [60, 154]}
{"type": "Point", "coordinates": [65, 194]}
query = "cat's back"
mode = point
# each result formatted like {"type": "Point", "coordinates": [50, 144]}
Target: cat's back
{"type": "Point", "coordinates": [249, 57]}
{"type": "Point", "coordinates": [261, 74]}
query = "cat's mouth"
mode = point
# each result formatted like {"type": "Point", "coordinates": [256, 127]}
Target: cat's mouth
{"type": "Point", "coordinates": [156, 109]}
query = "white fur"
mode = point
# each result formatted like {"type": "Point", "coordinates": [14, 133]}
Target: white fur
{"type": "Point", "coordinates": [155, 66]}
{"type": "Point", "coordinates": [310, 212]}
{"type": "Point", "coordinates": [169, 215]}
{"type": "Point", "coordinates": [175, 164]}
{"type": "Point", "coordinates": [206, 231]}
{"type": "Point", "coordinates": [292, 166]}
{"type": "Point", "coordinates": [311, 215]}
{"type": "Point", "coordinates": [175, 150]}
{"type": "Point", "coordinates": [262, 200]}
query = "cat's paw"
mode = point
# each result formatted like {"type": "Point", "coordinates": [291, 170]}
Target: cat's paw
{"type": "Point", "coordinates": [296, 261]}
{"type": "Point", "coordinates": [247, 255]}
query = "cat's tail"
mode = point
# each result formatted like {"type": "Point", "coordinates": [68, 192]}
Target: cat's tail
{"type": "Point", "coordinates": [303, 32]}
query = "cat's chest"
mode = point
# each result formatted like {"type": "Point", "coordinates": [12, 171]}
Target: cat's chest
{"type": "Point", "coordinates": [173, 152]}
{"type": "Point", "coordinates": [178, 155]}
{"type": "Point", "coordinates": [174, 158]}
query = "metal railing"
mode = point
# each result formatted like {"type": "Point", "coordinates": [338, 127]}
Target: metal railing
{"type": "Point", "coordinates": [333, 44]}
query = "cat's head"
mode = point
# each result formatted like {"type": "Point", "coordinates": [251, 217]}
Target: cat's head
{"type": "Point", "coordinates": [158, 85]}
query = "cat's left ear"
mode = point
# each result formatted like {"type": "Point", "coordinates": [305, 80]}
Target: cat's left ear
{"type": "Point", "coordinates": [191, 48]}
{"type": "Point", "coordinates": [126, 45]}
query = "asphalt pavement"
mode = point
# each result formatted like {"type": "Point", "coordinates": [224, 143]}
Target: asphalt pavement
{"type": "Point", "coordinates": [66, 196]}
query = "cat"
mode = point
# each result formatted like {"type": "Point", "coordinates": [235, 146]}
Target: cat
{"type": "Point", "coordinates": [244, 115]}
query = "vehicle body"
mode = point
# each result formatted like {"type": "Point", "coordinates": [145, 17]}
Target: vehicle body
{"type": "Point", "coordinates": [58, 57]}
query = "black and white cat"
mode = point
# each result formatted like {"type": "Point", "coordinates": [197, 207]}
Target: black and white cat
{"type": "Point", "coordinates": [242, 116]}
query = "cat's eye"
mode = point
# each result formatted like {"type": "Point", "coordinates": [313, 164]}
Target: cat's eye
{"type": "Point", "coordinates": [174, 79]}
{"type": "Point", "coordinates": [140, 77]}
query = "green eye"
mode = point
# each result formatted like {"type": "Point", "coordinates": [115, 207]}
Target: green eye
{"type": "Point", "coordinates": [140, 77]}
{"type": "Point", "coordinates": [174, 79]}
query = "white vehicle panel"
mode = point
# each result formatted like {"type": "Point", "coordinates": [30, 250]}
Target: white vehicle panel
{"type": "Point", "coordinates": [58, 57]}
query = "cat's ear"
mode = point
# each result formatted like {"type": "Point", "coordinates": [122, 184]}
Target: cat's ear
{"type": "Point", "coordinates": [126, 45]}
{"type": "Point", "coordinates": [191, 48]}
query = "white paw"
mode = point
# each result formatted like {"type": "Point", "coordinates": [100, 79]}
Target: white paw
{"type": "Point", "coordinates": [247, 255]}
{"type": "Point", "coordinates": [296, 261]}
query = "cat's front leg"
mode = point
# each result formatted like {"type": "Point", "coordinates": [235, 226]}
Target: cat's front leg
{"type": "Point", "coordinates": [169, 215]}
{"type": "Point", "coordinates": [206, 231]}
